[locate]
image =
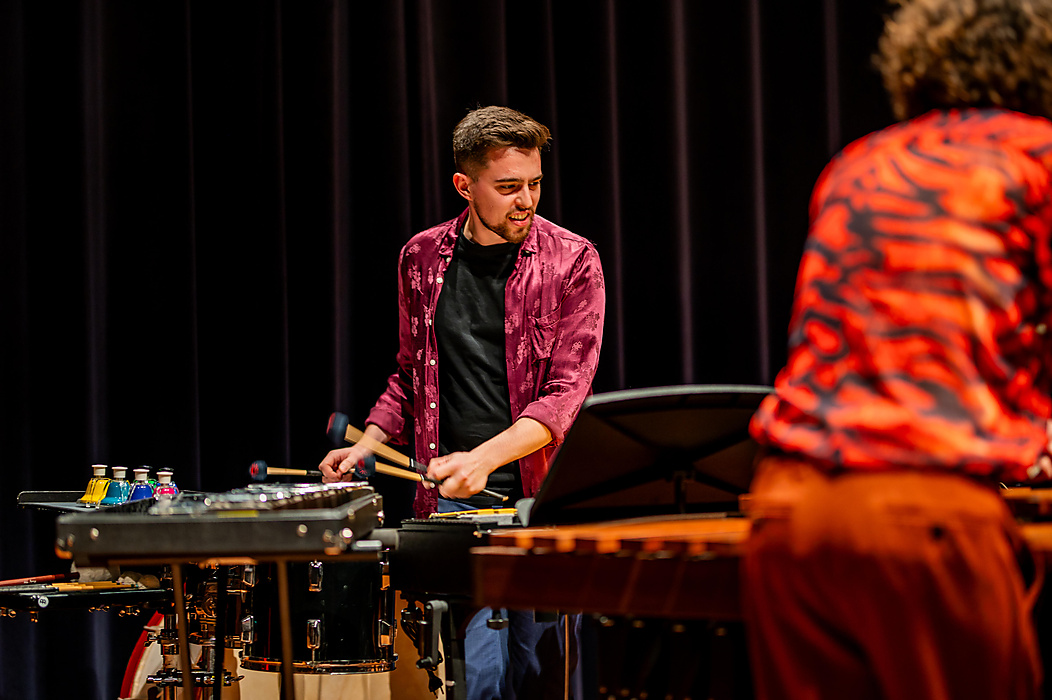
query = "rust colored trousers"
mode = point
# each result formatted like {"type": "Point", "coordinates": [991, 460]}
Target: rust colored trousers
{"type": "Point", "coordinates": [897, 585]}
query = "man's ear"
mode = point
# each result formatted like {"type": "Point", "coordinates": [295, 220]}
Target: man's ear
{"type": "Point", "coordinates": [462, 182]}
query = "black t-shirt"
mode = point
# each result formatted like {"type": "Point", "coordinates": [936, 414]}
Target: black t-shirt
{"type": "Point", "coordinates": [473, 373]}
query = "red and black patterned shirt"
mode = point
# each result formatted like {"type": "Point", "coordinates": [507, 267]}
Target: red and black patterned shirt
{"type": "Point", "coordinates": [920, 333]}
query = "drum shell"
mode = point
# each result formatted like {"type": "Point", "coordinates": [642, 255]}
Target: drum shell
{"type": "Point", "coordinates": [355, 607]}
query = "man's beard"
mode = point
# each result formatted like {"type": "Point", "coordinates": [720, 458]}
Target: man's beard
{"type": "Point", "coordinates": [504, 229]}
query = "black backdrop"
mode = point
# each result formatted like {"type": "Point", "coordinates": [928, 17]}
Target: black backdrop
{"type": "Point", "coordinates": [201, 206]}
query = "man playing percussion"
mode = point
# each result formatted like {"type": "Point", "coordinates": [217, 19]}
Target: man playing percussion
{"type": "Point", "coordinates": [882, 561]}
{"type": "Point", "coordinates": [503, 311]}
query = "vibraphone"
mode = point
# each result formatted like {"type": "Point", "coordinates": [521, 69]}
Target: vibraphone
{"type": "Point", "coordinates": [262, 524]}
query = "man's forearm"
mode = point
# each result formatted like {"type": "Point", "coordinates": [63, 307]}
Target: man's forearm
{"type": "Point", "coordinates": [524, 436]}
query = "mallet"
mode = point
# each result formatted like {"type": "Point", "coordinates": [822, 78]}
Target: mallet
{"type": "Point", "coordinates": [340, 430]}
{"type": "Point", "coordinates": [259, 470]}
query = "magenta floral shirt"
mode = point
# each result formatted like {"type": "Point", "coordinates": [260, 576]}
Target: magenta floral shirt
{"type": "Point", "coordinates": [554, 306]}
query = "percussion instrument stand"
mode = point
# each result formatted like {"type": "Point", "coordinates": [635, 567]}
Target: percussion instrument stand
{"type": "Point", "coordinates": [440, 618]}
{"type": "Point", "coordinates": [181, 627]}
{"type": "Point", "coordinates": [219, 652]}
{"type": "Point", "coordinates": [210, 659]}
{"type": "Point", "coordinates": [456, 674]}
{"type": "Point", "coordinates": [287, 690]}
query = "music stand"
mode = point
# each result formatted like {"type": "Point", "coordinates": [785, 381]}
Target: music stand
{"type": "Point", "coordinates": [643, 452]}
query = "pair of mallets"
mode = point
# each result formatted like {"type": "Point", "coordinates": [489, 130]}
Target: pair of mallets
{"type": "Point", "coordinates": [340, 430]}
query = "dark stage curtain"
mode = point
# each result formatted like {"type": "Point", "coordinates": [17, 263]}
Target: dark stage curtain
{"type": "Point", "coordinates": [201, 206]}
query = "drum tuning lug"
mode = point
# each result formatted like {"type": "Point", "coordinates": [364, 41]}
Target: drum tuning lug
{"type": "Point", "coordinates": [33, 616]}
{"type": "Point", "coordinates": [313, 638]}
{"type": "Point", "coordinates": [314, 576]}
{"type": "Point", "coordinates": [248, 629]}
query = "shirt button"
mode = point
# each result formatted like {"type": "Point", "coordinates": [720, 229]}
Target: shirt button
{"type": "Point", "coordinates": [432, 362]}
{"type": "Point", "coordinates": [432, 445]}
{"type": "Point", "coordinates": [439, 280]}
{"type": "Point", "coordinates": [433, 404]}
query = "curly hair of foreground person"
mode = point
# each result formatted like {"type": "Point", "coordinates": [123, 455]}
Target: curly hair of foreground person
{"type": "Point", "coordinates": [968, 53]}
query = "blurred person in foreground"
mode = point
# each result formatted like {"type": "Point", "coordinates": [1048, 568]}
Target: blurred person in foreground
{"type": "Point", "coordinates": [883, 563]}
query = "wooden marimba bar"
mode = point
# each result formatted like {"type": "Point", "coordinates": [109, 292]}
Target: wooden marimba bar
{"type": "Point", "coordinates": [673, 567]}
{"type": "Point", "coordinates": [666, 567]}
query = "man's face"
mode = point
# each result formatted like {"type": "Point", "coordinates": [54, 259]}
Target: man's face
{"type": "Point", "coordinates": [503, 196]}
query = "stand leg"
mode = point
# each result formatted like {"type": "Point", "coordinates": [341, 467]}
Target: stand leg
{"type": "Point", "coordinates": [219, 675]}
{"type": "Point", "coordinates": [288, 690]}
{"type": "Point", "coordinates": [453, 641]}
{"type": "Point", "coordinates": [180, 617]}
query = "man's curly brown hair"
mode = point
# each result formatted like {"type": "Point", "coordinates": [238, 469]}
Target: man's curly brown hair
{"type": "Point", "coordinates": [968, 53]}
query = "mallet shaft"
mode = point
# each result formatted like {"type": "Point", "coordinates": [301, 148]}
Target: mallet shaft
{"type": "Point", "coordinates": [380, 468]}
{"type": "Point", "coordinates": [282, 471]}
{"type": "Point", "coordinates": [357, 436]}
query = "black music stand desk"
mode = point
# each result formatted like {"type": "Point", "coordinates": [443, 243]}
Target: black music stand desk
{"type": "Point", "coordinates": [659, 451]}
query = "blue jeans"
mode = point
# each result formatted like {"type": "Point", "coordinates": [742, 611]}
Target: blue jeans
{"type": "Point", "coordinates": [523, 661]}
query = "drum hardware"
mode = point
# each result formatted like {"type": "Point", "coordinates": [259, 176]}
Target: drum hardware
{"type": "Point", "coordinates": [241, 579]}
{"type": "Point", "coordinates": [314, 572]}
{"type": "Point", "coordinates": [203, 604]}
{"type": "Point", "coordinates": [170, 678]}
{"type": "Point", "coordinates": [423, 627]}
{"type": "Point", "coordinates": [314, 638]}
